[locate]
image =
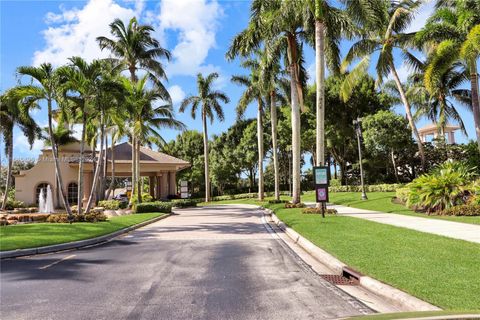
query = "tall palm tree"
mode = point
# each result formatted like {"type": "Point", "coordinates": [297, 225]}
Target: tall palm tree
{"type": "Point", "coordinates": [145, 118]}
{"type": "Point", "coordinates": [454, 32]}
{"type": "Point", "coordinates": [383, 35]}
{"type": "Point", "coordinates": [254, 90]}
{"type": "Point", "coordinates": [135, 48]}
{"type": "Point", "coordinates": [208, 99]}
{"type": "Point", "coordinates": [46, 88]}
{"type": "Point", "coordinates": [280, 26]}
{"type": "Point", "coordinates": [329, 25]}
{"type": "Point", "coordinates": [13, 112]}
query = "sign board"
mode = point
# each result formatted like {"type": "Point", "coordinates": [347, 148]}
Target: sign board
{"type": "Point", "coordinates": [183, 183]}
{"type": "Point", "coordinates": [321, 177]}
{"type": "Point", "coordinates": [184, 194]}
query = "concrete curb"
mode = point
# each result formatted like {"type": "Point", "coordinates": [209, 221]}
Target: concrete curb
{"type": "Point", "coordinates": [394, 295]}
{"type": "Point", "coordinates": [76, 244]}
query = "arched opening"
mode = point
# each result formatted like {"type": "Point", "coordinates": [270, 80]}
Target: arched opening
{"type": "Point", "coordinates": [72, 193]}
{"type": "Point", "coordinates": [38, 189]}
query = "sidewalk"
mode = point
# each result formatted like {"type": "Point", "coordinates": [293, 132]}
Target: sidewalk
{"type": "Point", "coordinates": [456, 230]}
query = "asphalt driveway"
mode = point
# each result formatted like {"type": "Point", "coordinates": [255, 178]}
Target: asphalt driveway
{"type": "Point", "coordinates": [216, 262]}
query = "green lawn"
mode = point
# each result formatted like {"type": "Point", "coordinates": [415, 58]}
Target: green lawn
{"type": "Point", "coordinates": [440, 270]}
{"type": "Point", "coordinates": [44, 234]}
{"type": "Point", "coordinates": [382, 201]}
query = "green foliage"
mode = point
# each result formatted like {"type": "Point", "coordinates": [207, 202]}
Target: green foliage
{"type": "Point", "coordinates": [461, 210]}
{"type": "Point", "coordinates": [444, 187]}
{"type": "Point", "coordinates": [14, 204]}
{"type": "Point", "coordinates": [277, 201]}
{"type": "Point", "coordinates": [109, 204]}
{"type": "Point", "coordinates": [290, 205]}
{"type": "Point", "coordinates": [89, 217]}
{"type": "Point", "coordinates": [368, 188]}
{"type": "Point", "coordinates": [157, 206]}
{"type": "Point", "coordinates": [319, 211]}
{"type": "Point", "coordinates": [146, 197]}
{"type": "Point", "coordinates": [184, 203]}
{"type": "Point", "coordinates": [402, 194]}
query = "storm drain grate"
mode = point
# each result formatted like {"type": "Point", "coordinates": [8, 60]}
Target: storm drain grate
{"type": "Point", "coordinates": [339, 280]}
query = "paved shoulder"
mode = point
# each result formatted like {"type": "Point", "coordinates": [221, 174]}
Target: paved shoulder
{"type": "Point", "coordinates": [204, 263]}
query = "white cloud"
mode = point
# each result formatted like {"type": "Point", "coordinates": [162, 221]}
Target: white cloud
{"type": "Point", "coordinates": [195, 23]}
{"type": "Point", "coordinates": [424, 12]}
{"type": "Point", "coordinates": [73, 32]}
{"type": "Point", "coordinates": [176, 93]}
{"type": "Point", "coordinates": [21, 145]}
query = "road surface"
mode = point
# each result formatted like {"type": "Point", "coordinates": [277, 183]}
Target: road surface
{"type": "Point", "coordinates": [216, 262]}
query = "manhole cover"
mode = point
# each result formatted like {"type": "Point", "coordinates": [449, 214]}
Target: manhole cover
{"type": "Point", "coordinates": [339, 280]}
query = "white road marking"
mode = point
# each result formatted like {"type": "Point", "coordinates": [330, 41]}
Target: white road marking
{"type": "Point", "coordinates": [58, 261]}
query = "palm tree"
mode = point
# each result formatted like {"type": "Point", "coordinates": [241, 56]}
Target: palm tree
{"type": "Point", "coordinates": [454, 33]}
{"type": "Point", "coordinates": [254, 90]}
{"type": "Point", "coordinates": [329, 25]}
{"type": "Point", "coordinates": [279, 25]}
{"type": "Point", "coordinates": [135, 49]}
{"type": "Point", "coordinates": [145, 118]}
{"type": "Point", "coordinates": [383, 35]}
{"type": "Point", "coordinates": [46, 88]}
{"type": "Point", "coordinates": [209, 101]}
{"type": "Point", "coordinates": [13, 112]}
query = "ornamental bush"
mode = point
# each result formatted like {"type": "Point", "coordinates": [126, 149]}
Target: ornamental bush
{"type": "Point", "coordinates": [290, 205]}
{"type": "Point", "coordinates": [184, 203]}
{"type": "Point", "coordinates": [157, 206]}
{"type": "Point", "coordinates": [319, 211]}
{"type": "Point", "coordinates": [462, 210]}
{"type": "Point", "coordinates": [109, 204]}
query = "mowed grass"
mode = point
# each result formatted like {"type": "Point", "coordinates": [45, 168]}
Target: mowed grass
{"type": "Point", "coordinates": [382, 201]}
{"type": "Point", "coordinates": [439, 270]}
{"type": "Point", "coordinates": [44, 234]}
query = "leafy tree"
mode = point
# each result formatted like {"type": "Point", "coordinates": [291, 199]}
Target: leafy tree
{"type": "Point", "coordinates": [386, 133]}
{"type": "Point", "coordinates": [208, 100]}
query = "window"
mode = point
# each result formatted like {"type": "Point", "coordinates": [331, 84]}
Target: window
{"type": "Point", "coordinates": [39, 188]}
{"type": "Point", "coordinates": [72, 193]}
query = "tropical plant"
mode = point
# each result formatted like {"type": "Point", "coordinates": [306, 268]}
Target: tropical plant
{"type": "Point", "coordinates": [15, 112]}
{"type": "Point", "coordinates": [383, 35]}
{"type": "Point", "coordinates": [279, 25]}
{"type": "Point", "coordinates": [254, 90]}
{"type": "Point", "coordinates": [443, 188]}
{"type": "Point", "coordinates": [208, 99]}
{"type": "Point", "coordinates": [146, 118]}
{"type": "Point", "coordinates": [135, 48]}
{"type": "Point", "coordinates": [46, 88]}
{"type": "Point", "coordinates": [454, 33]}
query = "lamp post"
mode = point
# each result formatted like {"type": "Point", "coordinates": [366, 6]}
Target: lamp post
{"type": "Point", "coordinates": [358, 129]}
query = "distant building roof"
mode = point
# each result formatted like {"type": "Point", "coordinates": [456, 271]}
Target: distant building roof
{"type": "Point", "coordinates": [430, 128]}
{"type": "Point", "coordinates": [123, 152]}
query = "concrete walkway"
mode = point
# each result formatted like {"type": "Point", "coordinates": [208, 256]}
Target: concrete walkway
{"type": "Point", "coordinates": [456, 230]}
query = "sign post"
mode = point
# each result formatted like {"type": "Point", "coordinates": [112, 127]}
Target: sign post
{"type": "Point", "coordinates": [321, 176]}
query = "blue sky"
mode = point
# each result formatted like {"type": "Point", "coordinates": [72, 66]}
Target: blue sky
{"type": "Point", "coordinates": [197, 32]}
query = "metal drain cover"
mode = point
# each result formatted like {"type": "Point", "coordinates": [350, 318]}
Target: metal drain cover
{"type": "Point", "coordinates": [339, 280]}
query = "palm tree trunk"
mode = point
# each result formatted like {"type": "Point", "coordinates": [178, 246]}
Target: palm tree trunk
{"type": "Point", "coordinates": [134, 170]}
{"type": "Point", "coordinates": [394, 164]}
{"type": "Point", "coordinates": [295, 142]}
{"type": "Point", "coordinates": [105, 168]}
{"type": "Point", "coordinates": [8, 179]}
{"type": "Point", "coordinates": [98, 185]}
{"type": "Point", "coordinates": [138, 174]}
{"type": "Point", "coordinates": [408, 111]}
{"type": "Point", "coordinates": [475, 99]}
{"type": "Point", "coordinates": [96, 175]}
{"type": "Point", "coordinates": [205, 154]}
{"type": "Point", "coordinates": [58, 174]}
{"type": "Point", "coordinates": [112, 182]}
{"type": "Point", "coordinates": [320, 98]}
{"type": "Point", "coordinates": [273, 119]}
{"type": "Point", "coordinates": [80, 164]}
{"type": "Point", "coordinates": [260, 149]}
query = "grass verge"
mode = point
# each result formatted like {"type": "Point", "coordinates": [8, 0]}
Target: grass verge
{"type": "Point", "coordinates": [43, 234]}
{"type": "Point", "coordinates": [382, 201]}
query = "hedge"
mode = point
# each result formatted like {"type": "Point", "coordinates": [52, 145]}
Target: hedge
{"type": "Point", "coordinates": [109, 204]}
{"type": "Point", "coordinates": [157, 206]}
{"type": "Point", "coordinates": [184, 203]}
{"type": "Point", "coordinates": [461, 210]}
{"type": "Point", "coordinates": [368, 188]}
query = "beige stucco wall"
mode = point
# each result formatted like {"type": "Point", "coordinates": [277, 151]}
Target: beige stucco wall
{"type": "Point", "coordinates": [26, 182]}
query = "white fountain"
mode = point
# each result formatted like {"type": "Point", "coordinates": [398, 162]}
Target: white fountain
{"type": "Point", "coordinates": [41, 201]}
{"type": "Point", "coordinates": [49, 201]}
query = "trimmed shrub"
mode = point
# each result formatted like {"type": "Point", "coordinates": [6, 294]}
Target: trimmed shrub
{"type": "Point", "coordinates": [158, 206]}
{"type": "Point", "coordinates": [90, 217]}
{"type": "Point", "coordinates": [184, 203]}
{"type": "Point", "coordinates": [277, 201]}
{"type": "Point", "coordinates": [368, 188]}
{"type": "Point", "coordinates": [402, 194]}
{"type": "Point", "coordinates": [14, 204]}
{"type": "Point", "coordinates": [289, 205]}
{"type": "Point", "coordinates": [319, 211]}
{"type": "Point", "coordinates": [462, 210]}
{"type": "Point", "coordinates": [94, 217]}
{"type": "Point", "coordinates": [58, 218]}
{"type": "Point", "coordinates": [109, 204]}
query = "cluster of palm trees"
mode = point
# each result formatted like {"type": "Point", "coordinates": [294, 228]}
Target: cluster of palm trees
{"type": "Point", "coordinates": [98, 97]}
{"type": "Point", "coordinates": [278, 29]}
